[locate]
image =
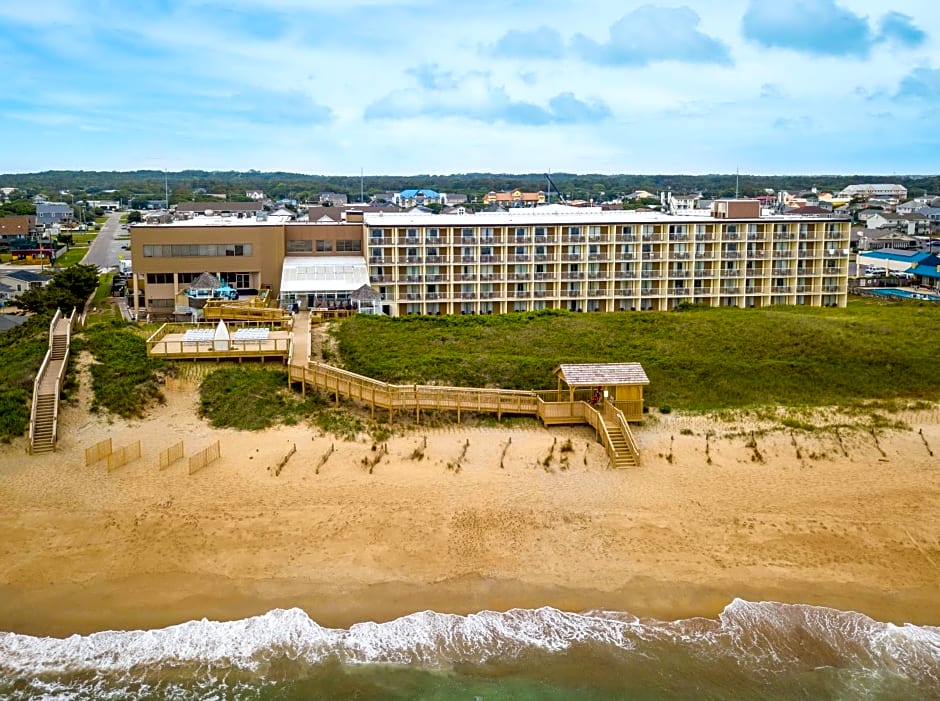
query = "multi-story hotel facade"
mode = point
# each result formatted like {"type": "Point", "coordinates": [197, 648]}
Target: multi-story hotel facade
{"type": "Point", "coordinates": [580, 259]}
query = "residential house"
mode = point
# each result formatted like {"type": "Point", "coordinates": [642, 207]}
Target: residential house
{"type": "Point", "coordinates": [876, 239]}
{"type": "Point", "coordinates": [336, 199]}
{"type": "Point", "coordinates": [19, 281]}
{"type": "Point", "coordinates": [406, 199]}
{"type": "Point", "coordinates": [49, 214]}
{"type": "Point", "coordinates": [17, 226]}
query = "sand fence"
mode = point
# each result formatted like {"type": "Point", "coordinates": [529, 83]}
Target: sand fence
{"type": "Point", "coordinates": [205, 457]}
{"type": "Point", "coordinates": [117, 458]}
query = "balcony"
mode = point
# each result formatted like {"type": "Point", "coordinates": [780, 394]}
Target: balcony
{"type": "Point", "coordinates": [783, 254]}
{"type": "Point", "coordinates": [571, 256]}
{"type": "Point", "coordinates": [597, 292]}
{"type": "Point", "coordinates": [489, 259]}
{"type": "Point", "coordinates": [467, 240]}
{"type": "Point", "coordinates": [488, 295]}
{"type": "Point", "coordinates": [381, 241]}
{"type": "Point", "coordinates": [542, 257]}
{"type": "Point", "coordinates": [705, 255]}
{"type": "Point", "coordinates": [625, 256]}
{"type": "Point", "coordinates": [804, 288]}
{"type": "Point", "coordinates": [751, 290]}
{"type": "Point", "coordinates": [680, 273]}
{"type": "Point", "coordinates": [434, 278]}
{"type": "Point", "coordinates": [519, 294]}
{"type": "Point", "coordinates": [651, 275]}
{"type": "Point", "coordinates": [804, 253]}
{"type": "Point", "coordinates": [433, 240]}
{"type": "Point", "coordinates": [652, 237]}
{"type": "Point", "coordinates": [627, 238]}
{"type": "Point", "coordinates": [832, 271]}
{"type": "Point", "coordinates": [412, 259]}
{"type": "Point", "coordinates": [704, 237]}
{"type": "Point", "coordinates": [467, 259]}
{"type": "Point", "coordinates": [729, 290]}
{"type": "Point", "coordinates": [652, 255]}
{"type": "Point", "coordinates": [831, 288]}
{"type": "Point", "coordinates": [755, 237]}
{"type": "Point", "coordinates": [757, 253]}
{"type": "Point", "coordinates": [544, 276]}
{"type": "Point", "coordinates": [488, 276]}
{"type": "Point", "coordinates": [681, 291]}
{"type": "Point", "coordinates": [732, 236]}
{"type": "Point", "coordinates": [544, 239]}
{"type": "Point", "coordinates": [597, 275]}
{"type": "Point", "coordinates": [519, 276]}
{"type": "Point", "coordinates": [572, 238]}
{"type": "Point", "coordinates": [516, 258]}
{"type": "Point", "coordinates": [521, 238]}
{"type": "Point", "coordinates": [624, 292]}
{"type": "Point", "coordinates": [412, 278]}
{"type": "Point", "coordinates": [378, 260]}
{"type": "Point", "coordinates": [437, 259]}
{"type": "Point", "coordinates": [681, 255]}
{"type": "Point", "coordinates": [597, 256]}
{"type": "Point", "coordinates": [731, 254]}
{"type": "Point", "coordinates": [572, 276]}
{"type": "Point", "coordinates": [466, 278]}
{"type": "Point", "coordinates": [433, 296]}
{"type": "Point", "coordinates": [468, 295]}
{"type": "Point", "coordinates": [678, 237]}
{"type": "Point", "coordinates": [625, 275]}
{"type": "Point", "coordinates": [408, 240]}
{"type": "Point", "coordinates": [781, 272]}
{"type": "Point", "coordinates": [413, 296]}
{"type": "Point", "coordinates": [783, 236]}
{"type": "Point", "coordinates": [781, 289]}
{"type": "Point", "coordinates": [541, 293]}
{"type": "Point", "coordinates": [380, 278]}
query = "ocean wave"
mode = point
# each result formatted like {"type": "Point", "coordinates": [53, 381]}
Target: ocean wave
{"type": "Point", "coordinates": [769, 636]}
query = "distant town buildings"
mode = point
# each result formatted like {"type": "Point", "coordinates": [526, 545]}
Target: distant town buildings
{"type": "Point", "coordinates": [514, 198]}
{"type": "Point", "coordinates": [406, 199]}
{"type": "Point", "coordinates": [49, 214]}
{"type": "Point", "coordinates": [889, 190]}
{"type": "Point", "coordinates": [336, 199]}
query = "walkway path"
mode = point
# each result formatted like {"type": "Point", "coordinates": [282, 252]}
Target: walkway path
{"type": "Point", "coordinates": [300, 333]}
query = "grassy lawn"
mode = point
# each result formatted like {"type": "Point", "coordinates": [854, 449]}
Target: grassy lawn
{"type": "Point", "coordinates": [73, 256]}
{"type": "Point", "coordinates": [701, 359]}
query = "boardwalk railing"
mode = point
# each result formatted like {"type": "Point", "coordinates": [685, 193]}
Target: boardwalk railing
{"type": "Point", "coordinates": [383, 395]}
{"type": "Point", "coordinates": [53, 368]}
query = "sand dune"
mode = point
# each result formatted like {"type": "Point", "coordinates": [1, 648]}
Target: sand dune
{"type": "Point", "coordinates": [847, 518]}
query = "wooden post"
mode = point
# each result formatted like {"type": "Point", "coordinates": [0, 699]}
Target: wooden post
{"type": "Point", "coordinates": [337, 391]}
{"type": "Point", "coordinates": [373, 402]}
{"type": "Point", "coordinates": [417, 406]}
{"type": "Point", "coordinates": [499, 407]}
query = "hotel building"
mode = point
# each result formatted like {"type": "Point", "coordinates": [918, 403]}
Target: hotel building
{"type": "Point", "coordinates": [581, 259]}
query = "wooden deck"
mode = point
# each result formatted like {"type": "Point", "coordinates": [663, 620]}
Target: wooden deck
{"type": "Point", "coordinates": [168, 342]}
{"type": "Point", "coordinates": [612, 427]}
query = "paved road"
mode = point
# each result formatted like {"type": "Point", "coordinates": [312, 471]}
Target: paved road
{"type": "Point", "coordinates": [106, 249]}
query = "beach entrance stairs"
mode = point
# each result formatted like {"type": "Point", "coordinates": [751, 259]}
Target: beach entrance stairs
{"type": "Point", "coordinates": [44, 417]}
{"type": "Point", "coordinates": [552, 407]}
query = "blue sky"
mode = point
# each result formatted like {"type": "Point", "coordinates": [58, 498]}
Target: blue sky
{"type": "Point", "coordinates": [415, 86]}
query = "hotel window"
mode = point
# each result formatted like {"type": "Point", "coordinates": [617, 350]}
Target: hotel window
{"type": "Point", "coordinates": [433, 233]}
{"type": "Point", "coordinates": [411, 233]}
{"type": "Point", "coordinates": [432, 252]}
{"type": "Point", "coordinates": [466, 233]}
{"type": "Point", "coordinates": [486, 233]}
{"type": "Point", "coordinates": [299, 246]}
{"type": "Point", "coordinates": [540, 231]}
{"type": "Point", "coordinates": [377, 233]}
{"type": "Point", "coordinates": [159, 278]}
{"type": "Point", "coordinates": [349, 245]}
{"type": "Point", "coordinates": [731, 229]}
{"type": "Point", "coordinates": [520, 250]}
{"type": "Point", "coordinates": [520, 232]}
{"type": "Point", "coordinates": [324, 245]}
{"type": "Point", "coordinates": [676, 229]}
{"type": "Point", "coordinates": [242, 280]}
{"type": "Point", "coordinates": [627, 230]}
{"type": "Point", "coordinates": [574, 230]}
{"type": "Point", "coordinates": [186, 278]}
{"type": "Point", "coordinates": [211, 250]}
{"type": "Point", "coordinates": [378, 253]}
{"type": "Point", "coordinates": [466, 252]}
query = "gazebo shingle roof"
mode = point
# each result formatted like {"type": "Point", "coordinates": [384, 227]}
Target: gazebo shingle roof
{"type": "Point", "coordinates": [582, 374]}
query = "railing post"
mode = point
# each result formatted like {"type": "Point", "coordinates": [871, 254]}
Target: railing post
{"type": "Point", "coordinates": [417, 406]}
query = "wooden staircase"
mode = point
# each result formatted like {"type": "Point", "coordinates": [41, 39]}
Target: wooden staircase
{"type": "Point", "coordinates": [623, 456]}
{"type": "Point", "coordinates": [43, 422]}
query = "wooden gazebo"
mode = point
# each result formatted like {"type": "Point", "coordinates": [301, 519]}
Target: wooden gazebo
{"type": "Point", "coordinates": [620, 383]}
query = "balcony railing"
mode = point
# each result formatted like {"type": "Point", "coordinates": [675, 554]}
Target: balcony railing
{"type": "Point", "coordinates": [626, 237]}
{"type": "Point", "coordinates": [783, 254]}
{"type": "Point", "coordinates": [489, 259]}
{"type": "Point", "coordinates": [680, 273]}
{"type": "Point", "coordinates": [519, 276]}
{"type": "Point", "coordinates": [412, 278]}
{"type": "Point", "coordinates": [571, 256]}
{"type": "Point", "coordinates": [542, 257]}
{"type": "Point", "coordinates": [681, 255]}
{"type": "Point", "coordinates": [468, 295]}
{"type": "Point", "coordinates": [437, 259]}
{"type": "Point", "coordinates": [541, 293]}
{"type": "Point", "coordinates": [781, 289]}
{"type": "Point", "coordinates": [518, 258]}
{"type": "Point", "coordinates": [434, 278]}
{"type": "Point", "coordinates": [831, 288]}
{"type": "Point", "coordinates": [431, 296]}
{"type": "Point", "coordinates": [572, 276]}
{"type": "Point", "coordinates": [781, 272]}
{"type": "Point", "coordinates": [681, 291]}
{"type": "Point", "coordinates": [597, 256]}
{"type": "Point", "coordinates": [468, 259]}
{"type": "Point", "coordinates": [597, 292]}
{"type": "Point", "coordinates": [380, 278]}
{"type": "Point", "coordinates": [412, 259]}
{"type": "Point", "coordinates": [466, 277]}
{"type": "Point", "coordinates": [413, 296]}
{"type": "Point", "coordinates": [731, 254]}
{"type": "Point", "coordinates": [624, 275]}
{"type": "Point", "coordinates": [597, 275]}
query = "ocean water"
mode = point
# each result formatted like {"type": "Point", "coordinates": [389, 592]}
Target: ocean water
{"type": "Point", "coordinates": [752, 651]}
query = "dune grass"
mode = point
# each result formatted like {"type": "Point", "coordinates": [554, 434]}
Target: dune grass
{"type": "Point", "coordinates": [22, 349]}
{"type": "Point", "coordinates": [699, 359]}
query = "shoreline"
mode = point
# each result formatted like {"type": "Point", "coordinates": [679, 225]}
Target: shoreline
{"type": "Point", "coordinates": [720, 509]}
{"type": "Point", "coordinates": [60, 612]}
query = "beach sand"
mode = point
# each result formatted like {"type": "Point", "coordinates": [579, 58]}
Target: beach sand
{"type": "Point", "coordinates": [848, 520]}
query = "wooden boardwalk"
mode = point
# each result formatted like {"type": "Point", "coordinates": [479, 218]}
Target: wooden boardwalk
{"type": "Point", "coordinates": [609, 422]}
